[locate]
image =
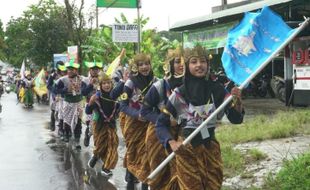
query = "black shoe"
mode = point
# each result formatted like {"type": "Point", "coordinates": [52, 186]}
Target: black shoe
{"type": "Point", "coordinates": [92, 161]}
{"type": "Point", "coordinates": [130, 186]}
{"type": "Point", "coordinates": [144, 186]}
{"type": "Point", "coordinates": [129, 177]}
{"type": "Point", "coordinates": [77, 144]}
{"type": "Point", "coordinates": [106, 172]}
{"type": "Point", "coordinates": [66, 138]}
{"type": "Point", "coordinates": [86, 137]}
{"type": "Point", "coordinates": [60, 133]}
{"type": "Point", "coordinates": [78, 147]}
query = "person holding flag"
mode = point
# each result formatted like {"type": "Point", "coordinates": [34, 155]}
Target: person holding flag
{"type": "Point", "coordinates": [190, 104]}
{"type": "Point", "coordinates": [70, 87]}
{"type": "Point", "coordinates": [89, 87]}
{"type": "Point", "coordinates": [26, 95]}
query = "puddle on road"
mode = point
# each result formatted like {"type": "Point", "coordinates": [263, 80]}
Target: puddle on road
{"type": "Point", "coordinates": [74, 163]}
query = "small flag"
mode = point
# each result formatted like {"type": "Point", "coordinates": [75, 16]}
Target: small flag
{"type": "Point", "coordinates": [22, 70]}
{"type": "Point", "coordinates": [252, 42]}
{"type": "Point", "coordinates": [117, 61]}
{"type": "Point", "coordinates": [40, 87]}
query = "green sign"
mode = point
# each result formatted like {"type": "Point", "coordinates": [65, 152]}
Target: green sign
{"type": "Point", "coordinates": [117, 3]}
{"type": "Point", "coordinates": [211, 37]}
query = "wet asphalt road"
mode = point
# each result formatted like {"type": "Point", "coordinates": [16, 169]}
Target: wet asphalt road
{"type": "Point", "coordinates": [26, 162]}
{"type": "Point", "coordinates": [33, 157]}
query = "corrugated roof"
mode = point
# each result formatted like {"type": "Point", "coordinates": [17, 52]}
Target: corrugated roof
{"type": "Point", "coordinates": [183, 25]}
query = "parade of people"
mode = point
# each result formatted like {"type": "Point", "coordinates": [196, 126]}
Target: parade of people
{"type": "Point", "coordinates": [86, 104]}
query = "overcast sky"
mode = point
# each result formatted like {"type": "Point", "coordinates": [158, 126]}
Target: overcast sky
{"type": "Point", "coordinates": [162, 13]}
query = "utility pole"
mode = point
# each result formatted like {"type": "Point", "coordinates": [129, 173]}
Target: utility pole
{"type": "Point", "coordinates": [139, 28]}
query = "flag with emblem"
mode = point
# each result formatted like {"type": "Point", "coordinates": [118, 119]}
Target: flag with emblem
{"type": "Point", "coordinates": [253, 42]}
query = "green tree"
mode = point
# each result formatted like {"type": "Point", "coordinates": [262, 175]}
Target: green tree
{"type": "Point", "coordinates": [48, 29]}
{"type": "Point", "coordinates": [79, 24]}
{"type": "Point", "coordinates": [2, 43]}
{"type": "Point", "coordinates": [38, 34]}
{"type": "Point", "coordinates": [99, 45]}
{"type": "Point", "coordinates": [18, 40]}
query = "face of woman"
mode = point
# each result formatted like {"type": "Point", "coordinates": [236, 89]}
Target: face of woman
{"type": "Point", "coordinates": [178, 66]}
{"type": "Point", "coordinates": [144, 68]}
{"type": "Point", "coordinates": [198, 66]}
{"type": "Point", "coordinates": [106, 86]}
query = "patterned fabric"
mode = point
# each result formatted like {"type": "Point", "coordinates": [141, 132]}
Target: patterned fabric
{"type": "Point", "coordinates": [205, 168]}
{"type": "Point", "coordinates": [155, 155]}
{"type": "Point", "coordinates": [28, 97]}
{"type": "Point", "coordinates": [122, 119]}
{"type": "Point", "coordinates": [72, 112]}
{"type": "Point", "coordinates": [106, 143]}
{"type": "Point", "coordinates": [136, 155]}
{"type": "Point", "coordinates": [60, 108]}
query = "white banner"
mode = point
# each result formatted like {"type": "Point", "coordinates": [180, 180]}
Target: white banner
{"type": "Point", "coordinates": [125, 33]}
{"type": "Point", "coordinates": [73, 53]}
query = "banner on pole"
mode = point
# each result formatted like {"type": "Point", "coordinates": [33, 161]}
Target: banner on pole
{"type": "Point", "coordinates": [252, 42]}
{"type": "Point", "coordinates": [73, 53]}
{"type": "Point", "coordinates": [59, 57]}
{"type": "Point", "coordinates": [117, 3]}
{"type": "Point", "coordinates": [210, 38]}
{"type": "Point", "coordinates": [125, 33]}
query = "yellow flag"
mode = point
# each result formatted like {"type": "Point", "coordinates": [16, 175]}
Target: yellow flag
{"type": "Point", "coordinates": [117, 61]}
{"type": "Point", "coordinates": [112, 67]}
{"type": "Point", "coordinates": [40, 87]}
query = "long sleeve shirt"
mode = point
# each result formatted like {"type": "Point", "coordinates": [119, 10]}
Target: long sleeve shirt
{"type": "Point", "coordinates": [189, 117]}
{"type": "Point", "coordinates": [132, 99]}
{"type": "Point", "coordinates": [104, 115]}
{"type": "Point", "coordinates": [63, 88]}
{"type": "Point", "coordinates": [155, 100]}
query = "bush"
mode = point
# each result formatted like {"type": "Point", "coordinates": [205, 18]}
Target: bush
{"type": "Point", "coordinates": [295, 174]}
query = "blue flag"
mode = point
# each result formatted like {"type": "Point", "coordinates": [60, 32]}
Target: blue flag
{"type": "Point", "coordinates": [251, 43]}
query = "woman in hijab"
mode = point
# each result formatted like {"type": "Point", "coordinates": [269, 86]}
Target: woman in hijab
{"type": "Point", "coordinates": [154, 102]}
{"type": "Point", "coordinates": [198, 164]}
{"type": "Point", "coordinates": [134, 131]}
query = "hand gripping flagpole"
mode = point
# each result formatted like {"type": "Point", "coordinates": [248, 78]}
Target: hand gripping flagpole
{"type": "Point", "coordinates": [229, 98]}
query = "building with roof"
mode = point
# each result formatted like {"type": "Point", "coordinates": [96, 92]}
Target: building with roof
{"type": "Point", "coordinates": [211, 32]}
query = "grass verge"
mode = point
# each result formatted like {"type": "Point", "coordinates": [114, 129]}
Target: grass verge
{"type": "Point", "coordinates": [295, 174]}
{"type": "Point", "coordinates": [262, 127]}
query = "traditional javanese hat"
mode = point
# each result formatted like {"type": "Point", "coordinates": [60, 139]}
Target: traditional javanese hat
{"type": "Point", "coordinates": [72, 64]}
{"type": "Point", "coordinates": [197, 51]}
{"type": "Point", "coordinates": [104, 77]}
{"type": "Point", "coordinates": [133, 64]}
{"type": "Point", "coordinates": [94, 64]}
{"type": "Point", "coordinates": [168, 64]}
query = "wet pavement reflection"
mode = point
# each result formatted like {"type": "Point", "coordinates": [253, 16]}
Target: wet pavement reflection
{"type": "Point", "coordinates": [33, 157]}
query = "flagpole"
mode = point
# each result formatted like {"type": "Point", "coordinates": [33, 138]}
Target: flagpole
{"type": "Point", "coordinates": [225, 103]}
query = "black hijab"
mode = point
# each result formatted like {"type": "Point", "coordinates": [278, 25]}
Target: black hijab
{"type": "Point", "coordinates": [195, 90]}
{"type": "Point", "coordinates": [174, 81]}
{"type": "Point", "coordinates": [106, 103]}
{"type": "Point", "coordinates": [142, 82]}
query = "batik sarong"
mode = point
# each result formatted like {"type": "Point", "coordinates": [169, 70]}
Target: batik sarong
{"type": "Point", "coordinates": [106, 144]}
{"type": "Point", "coordinates": [135, 159]}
